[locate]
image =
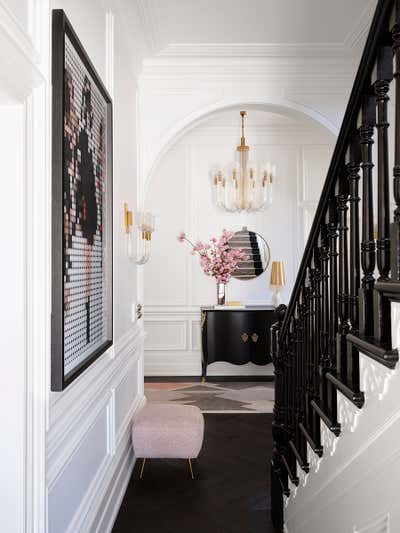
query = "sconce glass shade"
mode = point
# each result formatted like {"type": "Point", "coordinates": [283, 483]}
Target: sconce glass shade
{"type": "Point", "coordinates": [139, 244]}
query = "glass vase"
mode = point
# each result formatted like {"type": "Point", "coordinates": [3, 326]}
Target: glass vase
{"type": "Point", "coordinates": [221, 293]}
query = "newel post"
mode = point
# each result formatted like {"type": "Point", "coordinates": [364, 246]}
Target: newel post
{"type": "Point", "coordinates": [279, 481]}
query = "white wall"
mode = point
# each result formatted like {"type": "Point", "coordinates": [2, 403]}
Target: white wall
{"type": "Point", "coordinates": [66, 457]}
{"type": "Point", "coordinates": [180, 195]}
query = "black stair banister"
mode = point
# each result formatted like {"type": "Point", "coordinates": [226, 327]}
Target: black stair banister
{"type": "Point", "coordinates": [343, 296]}
{"type": "Point", "coordinates": [349, 273]}
{"type": "Point", "coordinates": [384, 76]}
{"type": "Point", "coordinates": [361, 83]}
{"type": "Point", "coordinates": [368, 246]}
{"type": "Point", "coordinates": [353, 159]}
{"type": "Point", "coordinates": [333, 305]}
{"type": "Point", "coordinates": [395, 228]}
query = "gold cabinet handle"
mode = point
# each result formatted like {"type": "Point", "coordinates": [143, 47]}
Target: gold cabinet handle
{"type": "Point", "coordinates": [245, 337]}
{"type": "Point", "coordinates": [254, 337]}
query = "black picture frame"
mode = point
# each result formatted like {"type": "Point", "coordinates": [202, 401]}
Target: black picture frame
{"type": "Point", "coordinates": [61, 28]}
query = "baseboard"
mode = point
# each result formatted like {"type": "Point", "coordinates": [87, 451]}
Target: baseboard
{"type": "Point", "coordinates": [211, 379]}
{"type": "Point", "coordinates": [117, 492]}
{"type": "Point", "coordinates": [115, 485]}
{"type": "Point", "coordinates": [215, 369]}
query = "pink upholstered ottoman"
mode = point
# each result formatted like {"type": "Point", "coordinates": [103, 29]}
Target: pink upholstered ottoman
{"type": "Point", "coordinates": [168, 431]}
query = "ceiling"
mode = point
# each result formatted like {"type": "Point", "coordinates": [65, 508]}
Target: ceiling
{"type": "Point", "coordinates": [273, 22]}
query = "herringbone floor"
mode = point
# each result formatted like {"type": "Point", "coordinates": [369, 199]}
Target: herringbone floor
{"type": "Point", "coordinates": [229, 495]}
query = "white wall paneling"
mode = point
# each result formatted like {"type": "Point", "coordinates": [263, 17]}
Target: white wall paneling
{"type": "Point", "coordinates": [86, 450]}
{"type": "Point", "coordinates": [180, 194]}
{"type": "Point", "coordinates": [166, 335]}
{"type": "Point", "coordinates": [13, 364]}
{"type": "Point", "coordinates": [89, 459]}
{"type": "Point", "coordinates": [23, 320]}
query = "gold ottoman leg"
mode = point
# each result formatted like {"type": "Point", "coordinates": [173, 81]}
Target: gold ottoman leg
{"type": "Point", "coordinates": [141, 470]}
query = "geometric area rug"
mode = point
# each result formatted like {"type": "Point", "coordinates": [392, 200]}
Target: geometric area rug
{"type": "Point", "coordinates": [223, 397]}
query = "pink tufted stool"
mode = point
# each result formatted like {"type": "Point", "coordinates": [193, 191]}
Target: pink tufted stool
{"type": "Point", "coordinates": [168, 431]}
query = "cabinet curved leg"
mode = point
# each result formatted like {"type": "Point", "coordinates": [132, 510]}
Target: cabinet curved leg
{"type": "Point", "coordinates": [204, 371]}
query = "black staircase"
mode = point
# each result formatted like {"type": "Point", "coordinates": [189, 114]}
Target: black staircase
{"type": "Point", "coordinates": [350, 271]}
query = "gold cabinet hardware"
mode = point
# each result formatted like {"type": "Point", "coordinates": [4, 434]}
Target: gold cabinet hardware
{"type": "Point", "coordinates": [245, 337]}
{"type": "Point", "coordinates": [254, 337]}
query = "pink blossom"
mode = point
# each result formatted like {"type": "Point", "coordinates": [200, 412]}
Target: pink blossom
{"type": "Point", "coordinates": [217, 259]}
{"type": "Point", "coordinates": [181, 237]}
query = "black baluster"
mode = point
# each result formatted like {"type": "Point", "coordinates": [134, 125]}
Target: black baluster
{"type": "Point", "coordinates": [324, 332]}
{"type": "Point", "coordinates": [333, 311]}
{"type": "Point", "coordinates": [308, 346]}
{"type": "Point", "coordinates": [311, 342]}
{"type": "Point", "coordinates": [353, 158]}
{"type": "Point", "coordinates": [299, 364]}
{"type": "Point", "coordinates": [279, 479]}
{"type": "Point", "coordinates": [343, 296]}
{"type": "Point", "coordinates": [381, 87]}
{"type": "Point", "coordinates": [366, 317]}
{"type": "Point", "coordinates": [316, 425]}
{"type": "Point", "coordinates": [384, 74]}
{"type": "Point", "coordinates": [395, 228]}
{"type": "Point", "coordinates": [292, 429]}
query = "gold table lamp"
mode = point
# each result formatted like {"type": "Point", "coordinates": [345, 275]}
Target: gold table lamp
{"type": "Point", "coordinates": [277, 281]}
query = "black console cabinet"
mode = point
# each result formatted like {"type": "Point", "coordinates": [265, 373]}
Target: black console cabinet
{"type": "Point", "coordinates": [236, 336]}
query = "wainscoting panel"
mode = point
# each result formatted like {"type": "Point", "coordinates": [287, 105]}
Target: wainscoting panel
{"type": "Point", "coordinates": [89, 459]}
{"type": "Point", "coordinates": [166, 335]}
{"type": "Point", "coordinates": [183, 359]}
{"type": "Point", "coordinates": [125, 394]}
{"type": "Point", "coordinates": [196, 335]}
{"type": "Point", "coordinates": [89, 452]}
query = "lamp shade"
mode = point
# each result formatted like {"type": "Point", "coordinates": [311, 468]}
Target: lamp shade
{"type": "Point", "coordinates": [277, 274]}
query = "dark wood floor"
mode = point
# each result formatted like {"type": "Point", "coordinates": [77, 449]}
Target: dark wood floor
{"type": "Point", "coordinates": [231, 492]}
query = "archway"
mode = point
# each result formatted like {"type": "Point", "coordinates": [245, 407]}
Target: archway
{"type": "Point", "coordinates": [277, 105]}
{"type": "Point", "coordinates": [287, 136]}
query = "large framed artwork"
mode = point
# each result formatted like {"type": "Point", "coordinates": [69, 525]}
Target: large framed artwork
{"type": "Point", "coordinates": [82, 327]}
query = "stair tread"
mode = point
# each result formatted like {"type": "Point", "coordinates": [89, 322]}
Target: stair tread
{"type": "Point", "coordinates": [357, 398]}
{"type": "Point", "coordinates": [371, 347]}
{"type": "Point", "coordinates": [303, 463]}
{"type": "Point", "coordinates": [293, 478]}
{"type": "Point", "coordinates": [333, 426]}
{"type": "Point", "coordinates": [317, 448]}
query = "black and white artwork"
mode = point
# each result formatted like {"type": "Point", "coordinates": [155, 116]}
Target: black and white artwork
{"type": "Point", "coordinates": [82, 205]}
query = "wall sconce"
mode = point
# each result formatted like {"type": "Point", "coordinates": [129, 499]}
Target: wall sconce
{"type": "Point", "coordinates": [138, 249]}
{"type": "Point", "coordinates": [277, 281]}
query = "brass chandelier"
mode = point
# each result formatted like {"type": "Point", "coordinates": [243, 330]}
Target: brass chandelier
{"type": "Point", "coordinates": [244, 188]}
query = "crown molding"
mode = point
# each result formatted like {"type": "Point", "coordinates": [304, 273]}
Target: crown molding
{"type": "Point", "coordinates": [350, 47]}
{"type": "Point", "coordinates": [251, 50]}
{"type": "Point", "coordinates": [331, 72]}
